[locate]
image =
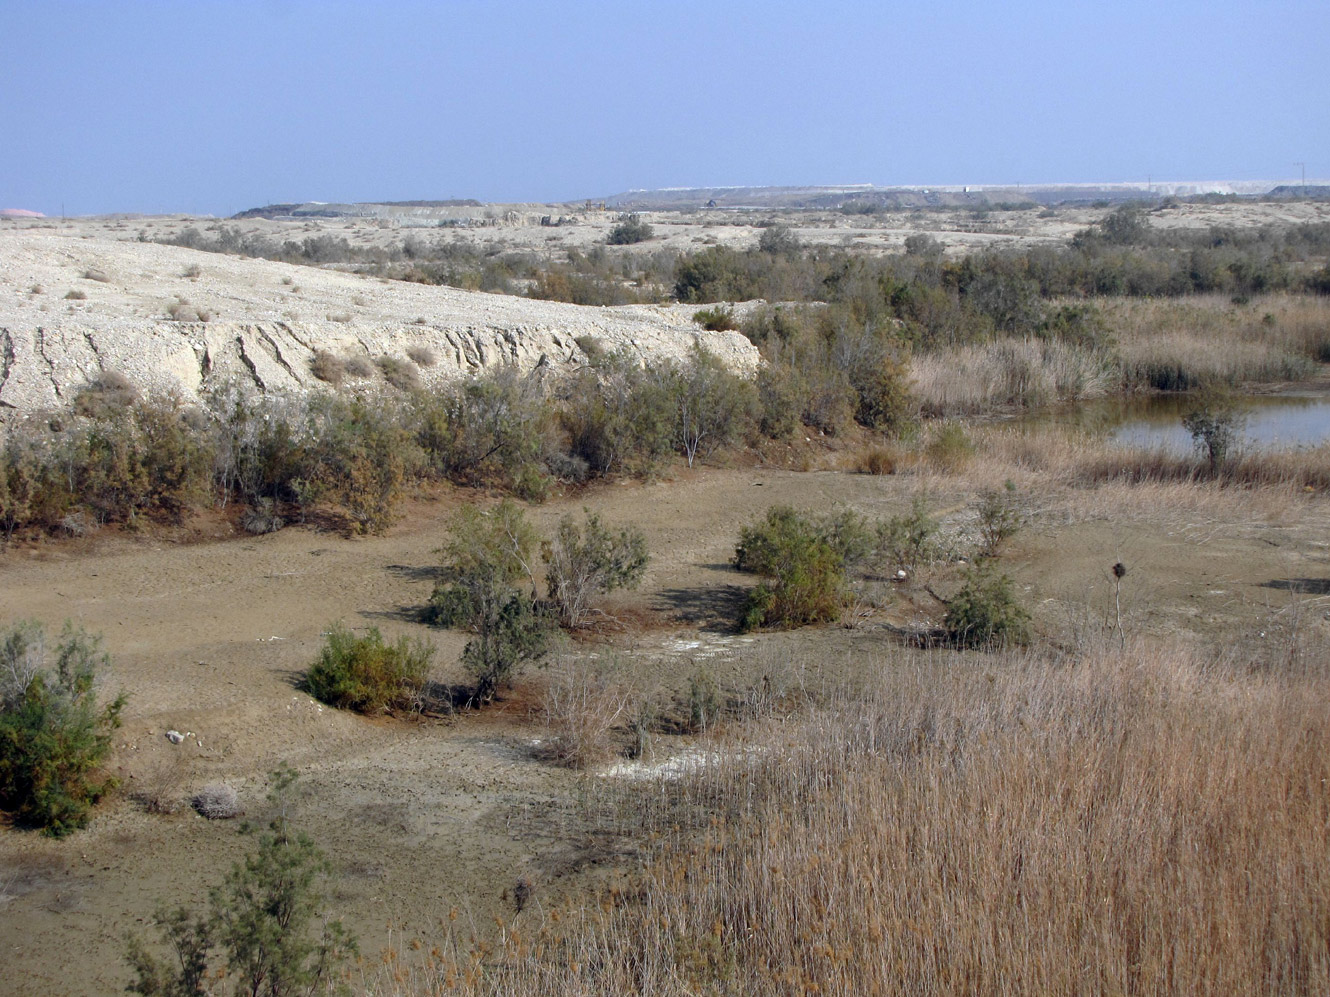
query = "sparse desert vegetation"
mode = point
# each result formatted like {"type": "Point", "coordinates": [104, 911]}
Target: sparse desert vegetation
{"type": "Point", "coordinates": [883, 669]}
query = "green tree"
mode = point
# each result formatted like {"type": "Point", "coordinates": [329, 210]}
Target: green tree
{"type": "Point", "coordinates": [265, 921]}
{"type": "Point", "coordinates": [489, 554]}
{"type": "Point", "coordinates": [54, 735]}
{"type": "Point", "coordinates": [709, 406]}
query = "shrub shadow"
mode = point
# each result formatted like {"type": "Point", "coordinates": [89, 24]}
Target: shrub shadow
{"type": "Point", "coordinates": [1301, 586]}
{"type": "Point", "coordinates": [416, 573]}
{"type": "Point", "coordinates": [712, 608]}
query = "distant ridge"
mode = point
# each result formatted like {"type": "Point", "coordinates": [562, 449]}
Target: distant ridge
{"type": "Point", "coordinates": [823, 197]}
{"type": "Point", "coordinates": [364, 209]}
{"type": "Point", "coordinates": [870, 196]}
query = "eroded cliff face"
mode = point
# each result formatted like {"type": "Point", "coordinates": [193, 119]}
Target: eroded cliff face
{"type": "Point", "coordinates": [71, 308]}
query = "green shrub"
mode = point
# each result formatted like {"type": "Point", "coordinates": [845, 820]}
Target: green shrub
{"type": "Point", "coordinates": [805, 574]}
{"type": "Point", "coordinates": [54, 735]}
{"type": "Point", "coordinates": [258, 927]}
{"type": "Point", "coordinates": [908, 541]}
{"type": "Point", "coordinates": [709, 406]}
{"type": "Point", "coordinates": [985, 613]}
{"type": "Point", "coordinates": [616, 416]}
{"type": "Point", "coordinates": [630, 229]}
{"type": "Point", "coordinates": [488, 431]}
{"type": "Point", "coordinates": [488, 554]}
{"type": "Point", "coordinates": [1000, 519]}
{"type": "Point", "coordinates": [1215, 423]}
{"type": "Point", "coordinates": [716, 319]}
{"type": "Point", "coordinates": [779, 240]}
{"type": "Point", "coordinates": [362, 459]}
{"type": "Point", "coordinates": [949, 447]}
{"type": "Point", "coordinates": [762, 545]}
{"type": "Point", "coordinates": [585, 561]}
{"type": "Point", "coordinates": [367, 675]}
{"type": "Point", "coordinates": [780, 397]}
{"type": "Point", "coordinates": [884, 400]}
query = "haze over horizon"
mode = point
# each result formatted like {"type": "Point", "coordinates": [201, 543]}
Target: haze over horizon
{"type": "Point", "coordinates": [214, 107]}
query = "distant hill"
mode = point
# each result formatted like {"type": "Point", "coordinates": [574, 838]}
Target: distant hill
{"type": "Point", "coordinates": [870, 197]}
{"type": "Point", "coordinates": [867, 197]}
{"type": "Point", "coordinates": [367, 209]}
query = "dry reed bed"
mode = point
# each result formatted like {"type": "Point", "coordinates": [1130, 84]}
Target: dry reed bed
{"type": "Point", "coordinates": [1078, 476]}
{"type": "Point", "coordinates": [1026, 373]}
{"type": "Point", "coordinates": [1170, 344]}
{"type": "Point", "coordinates": [1146, 821]}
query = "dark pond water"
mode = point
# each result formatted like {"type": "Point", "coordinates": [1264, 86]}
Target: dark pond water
{"type": "Point", "coordinates": [1284, 421]}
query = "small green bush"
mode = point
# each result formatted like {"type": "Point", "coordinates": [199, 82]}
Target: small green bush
{"type": "Point", "coordinates": [367, 675]}
{"type": "Point", "coordinates": [805, 573]}
{"type": "Point", "coordinates": [908, 541]}
{"type": "Point", "coordinates": [630, 229]}
{"type": "Point", "coordinates": [985, 613]}
{"type": "Point", "coordinates": [588, 560]}
{"type": "Point", "coordinates": [950, 447]}
{"type": "Point", "coordinates": [54, 735]}
{"type": "Point", "coordinates": [717, 319]}
{"type": "Point", "coordinates": [488, 554]}
{"type": "Point", "coordinates": [1000, 519]}
{"type": "Point", "coordinates": [265, 926]}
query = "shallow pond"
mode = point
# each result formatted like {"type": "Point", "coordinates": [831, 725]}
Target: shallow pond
{"type": "Point", "coordinates": [1282, 421]}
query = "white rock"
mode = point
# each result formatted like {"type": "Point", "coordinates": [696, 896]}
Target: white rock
{"type": "Point", "coordinates": [174, 736]}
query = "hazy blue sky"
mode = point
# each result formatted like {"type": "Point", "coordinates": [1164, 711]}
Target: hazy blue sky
{"type": "Point", "coordinates": [191, 105]}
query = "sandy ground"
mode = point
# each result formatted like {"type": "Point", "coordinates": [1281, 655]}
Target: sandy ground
{"type": "Point", "coordinates": [421, 817]}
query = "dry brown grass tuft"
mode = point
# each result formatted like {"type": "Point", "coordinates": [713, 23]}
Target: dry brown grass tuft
{"type": "Point", "coordinates": [876, 459]}
{"type": "Point", "coordinates": [327, 367]}
{"type": "Point", "coordinates": [359, 365]}
{"type": "Point", "coordinates": [586, 708]}
{"type": "Point", "coordinates": [422, 356]}
{"type": "Point", "coordinates": [160, 788]}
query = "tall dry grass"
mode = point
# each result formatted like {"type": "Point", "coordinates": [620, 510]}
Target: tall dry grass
{"type": "Point", "coordinates": [1024, 373]}
{"type": "Point", "coordinates": [1141, 821]}
{"type": "Point", "coordinates": [1185, 343]}
{"type": "Point", "coordinates": [1153, 344]}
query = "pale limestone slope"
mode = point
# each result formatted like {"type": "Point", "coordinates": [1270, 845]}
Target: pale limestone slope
{"type": "Point", "coordinates": [267, 319]}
